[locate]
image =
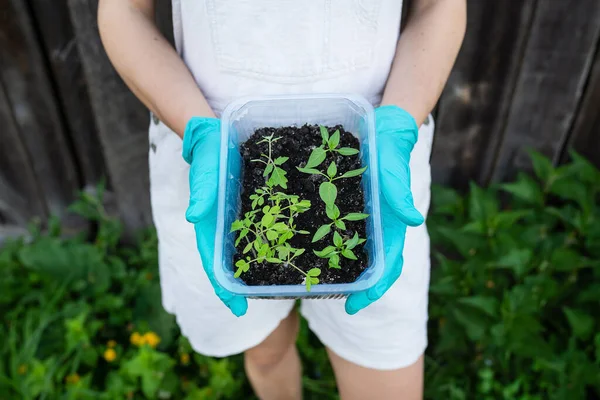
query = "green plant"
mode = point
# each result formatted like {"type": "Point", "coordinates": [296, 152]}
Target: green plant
{"type": "Point", "coordinates": [276, 176]}
{"type": "Point", "coordinates": [514, 294]}
{"type": "Point", "coordinates": [81, 318]}
{"type": "Point", "coordinates": [514, 307]}
{"type": "Point", "coordinates": [328, 193]}
{"type": "Point", "coordinates": [267, 228]}
{"type": "Point", "coordinates": [340, 247]}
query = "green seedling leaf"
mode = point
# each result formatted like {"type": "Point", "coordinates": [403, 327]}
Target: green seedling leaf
{"type": "Point", "coordinates": [333, 212]}
{"type": "Point", "coordinates": [278, 178]}
{"type": "Point", "coordinates": [324, 134]}
{"type": "Point", "coordinates": [326, 252]}
{"type": "Point", "coordinates": [236, 225]}
{"type": "Point", "coordinates": [280, 227]}
{"type": "Point", "coordinates": [317, 156]}
{"type": "Point", "coordinates": [322, 231]}
{"type": "Point", "coordinates": [268, 169]}
{"type": "Point", "coordinates": [285, 236]}
{"type": "Point", "coordinates": [340, 224]}
{"type": "Point", "coordinates": [297, 252]}
{"type": "Point", "coordinates": [348, 254]}
{"type": "Point", "coordinates": [247, 248]}
{"type": "Point", "coordinates": [280, 160]}
{"type": "Point", "coordinates": [274, 260]}
{"type": "Point", "coordinates": [334, 261]}
{"type": "Point", "coordinates": [263, 251]}
{"type": "Point", "coordinates": [304, 204]}
{"type": "Point", "coordinates": [310, 281]}
{"type": "Point", "coordinates": [353, 173]}
{"type": "Point", "coordinates": [355, 216]}
{"type": "Point", "coordinates": [332, 170]}
{"type": "Point", "coordinates": [348, 151]}
{"type": "Point", "coordinates": [283, 252]}
{"type": "Point", "coordinates": [242, 235]}
{"type": "Point", "coordinates": [303, 232]}
{"type": "Point", "coordinates": [352, 243]}
{"type": "Point", "coordinates": [272, 235]}
{"type": "Point", "coordinates": [311, 171]}
{"type": "Point", "coordinates": [328, 193]}
{"type": "Point", "coordinates": [334, 140]}
{"type": "Point", "coordinates": [267, 220]}
{"type": "Point", "coordinates": [243, 266]}
{"type": "Point", "coordinates": [311, 277]}
{"type": "Point", "coordinates": [337, 240]}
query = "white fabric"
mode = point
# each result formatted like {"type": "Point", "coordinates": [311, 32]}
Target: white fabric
{"type": "Point", "coordinates": [249, 47]}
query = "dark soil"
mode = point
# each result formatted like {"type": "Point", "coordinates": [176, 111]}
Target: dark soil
{"type": "Point", "coordinates": [297, 144]}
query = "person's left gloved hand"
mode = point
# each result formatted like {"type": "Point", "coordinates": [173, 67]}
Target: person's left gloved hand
{"type": "Point", "coordinates": [397, 134]}
{"type": "Point", "coordinates": [201, 148]}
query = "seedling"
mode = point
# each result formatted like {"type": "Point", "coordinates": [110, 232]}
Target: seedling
{"type": "Point", "coordinates": [341, 247]}
{"type": "Point", "coordinates": [269, 227]}
{"type": "Point", "coordinates": [330, 143]}
{"type": "Point", "coordinates": [333, 213]}
{"type": "Point", "coordinates": [275, 175]}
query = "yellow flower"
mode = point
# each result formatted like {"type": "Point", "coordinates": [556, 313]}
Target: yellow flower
{"type": "Point", "coordinates": [184, 358]}
{"type": "Point", "coordinates": [22, 369]}
{"type": "Point", "coordinates": [151, 339]}
{"type": "Point", "coordinates": [136, 339]}
{"type": "Point", "coordinates": [111, 344]}
{"type": "Point", "coordinates": [110, 355]}
{"type": "Point", "coordinates": [73, 378]}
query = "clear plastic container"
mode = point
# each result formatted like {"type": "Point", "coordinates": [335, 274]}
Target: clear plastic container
{"type": "Point", "coordinates": [238, 122]}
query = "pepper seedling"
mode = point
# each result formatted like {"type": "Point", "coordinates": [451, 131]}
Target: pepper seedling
{"type": "Point", "coordinates": [340, 247]}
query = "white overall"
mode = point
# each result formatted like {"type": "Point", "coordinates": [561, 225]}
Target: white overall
{"type": "Point", "coordinates": [249, 47]}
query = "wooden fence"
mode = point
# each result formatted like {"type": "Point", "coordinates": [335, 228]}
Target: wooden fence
{"type": "Point", "coordinates": [528, 75]}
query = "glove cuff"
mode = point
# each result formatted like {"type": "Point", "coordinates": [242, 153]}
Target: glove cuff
{"type": "Point", "coordinates": [394, 120]}
{"type": "Point", "coordinates": [195, 130]}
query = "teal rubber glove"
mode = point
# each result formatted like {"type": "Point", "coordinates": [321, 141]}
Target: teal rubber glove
{"type": "Point", "coordinates": [201, 148]}
{"type": "Point", "coordinates": [397, 134]}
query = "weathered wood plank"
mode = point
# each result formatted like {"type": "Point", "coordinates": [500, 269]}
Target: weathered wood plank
{"type": "Point", "coordinates": [20, 196]}
{"type": "Point", "coordinates": [585, 136]}
{"type": "Point", "coordinates": [121, 119]}
{"type": "Point", "coordinates": [554, 71]}
{"type": "Point", "coordinates": [477, 96]}
{"type": "Point", "coordinates": [53, 23]}
{"type": "Point", "coordinates": [406, 7]}
{"type": "Point", "coordinates": [164, 19]}
{"type": "Point", "coordinates": [36, 114]}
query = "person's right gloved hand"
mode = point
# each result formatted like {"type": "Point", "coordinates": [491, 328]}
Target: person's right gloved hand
{"type": "Point", "coordinates": [201, 148]}
{"type": "Point", "coordinates": [397, 134]}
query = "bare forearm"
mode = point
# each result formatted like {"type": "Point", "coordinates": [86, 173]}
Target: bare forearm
{"type": "Point", "coordinates": [148, 64]}
{"type": "Point", "coordinates": [426, 52]}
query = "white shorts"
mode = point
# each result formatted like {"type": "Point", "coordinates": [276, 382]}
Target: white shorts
{"type": "Point", "coordinates": [389, 334]}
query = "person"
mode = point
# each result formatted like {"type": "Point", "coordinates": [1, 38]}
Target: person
{"type": "Point", "coordinates": [227, 49]}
